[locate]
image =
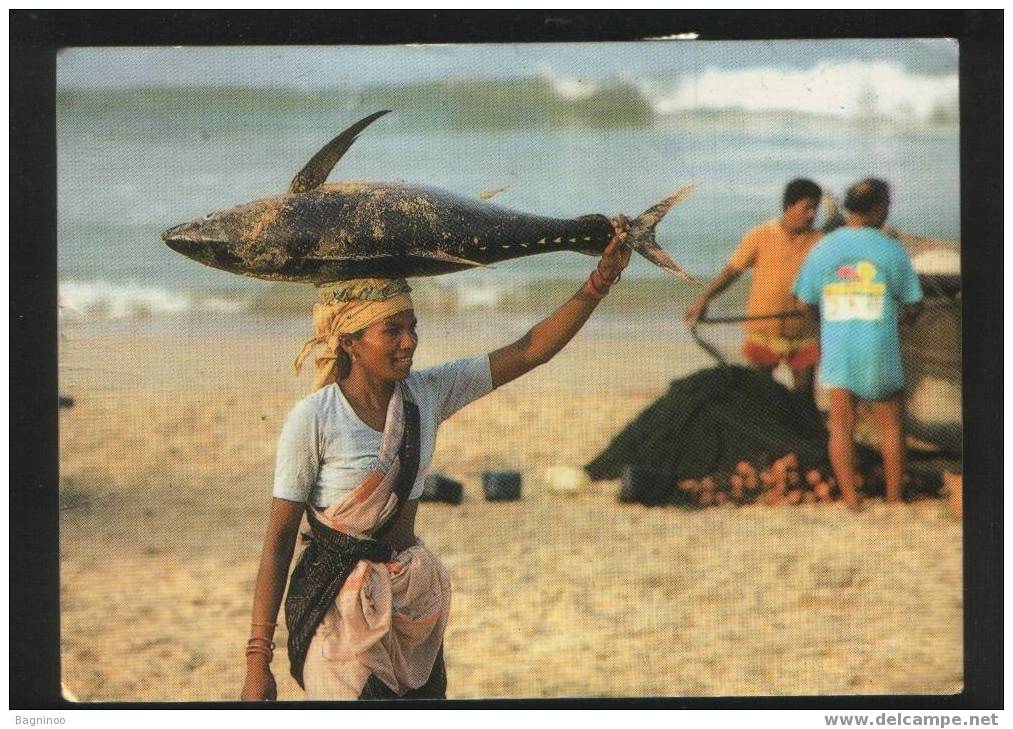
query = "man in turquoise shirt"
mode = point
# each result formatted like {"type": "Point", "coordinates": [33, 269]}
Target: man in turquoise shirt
{"type": "Point", "coordinates": [863, 284]}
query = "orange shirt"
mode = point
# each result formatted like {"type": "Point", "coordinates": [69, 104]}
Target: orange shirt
{"type": "Point", "coordinates": [776, 257]}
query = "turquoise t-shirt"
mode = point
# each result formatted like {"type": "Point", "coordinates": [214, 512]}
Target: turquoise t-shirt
{"type": "Point", "coordinates": [858, 277]}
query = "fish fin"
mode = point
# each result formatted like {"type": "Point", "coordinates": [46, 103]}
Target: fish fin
{"type": "Point", "coordinates": [490, 194]}
{"type": "Point", "coordinates": [319, 167]}
{"type": "Point", "coordinates": [448, 258]}
{"type": "Point", "coordinates": [640, 235]}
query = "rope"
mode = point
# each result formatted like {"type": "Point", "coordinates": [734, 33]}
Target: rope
{"type": "Point", "coordinates": [714, 354]}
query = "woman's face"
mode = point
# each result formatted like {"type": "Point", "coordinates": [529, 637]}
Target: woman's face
{"type": "Point", "coordinates": [385, 349]}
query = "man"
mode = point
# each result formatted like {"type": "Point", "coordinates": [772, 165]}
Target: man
{"type": "Point", "coordinates": [775, 250]}
{"type": "Point", "coordinates": [862, 282]}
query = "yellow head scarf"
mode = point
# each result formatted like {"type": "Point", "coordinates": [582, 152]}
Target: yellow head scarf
{"type": "Point", "coordinates": [345, 308]}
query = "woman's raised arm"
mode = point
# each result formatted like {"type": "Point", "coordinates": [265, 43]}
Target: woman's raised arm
{"type": "Point", "coordinates": [550, 335]}
{"type": "Point", "coordinates": [275, 558]}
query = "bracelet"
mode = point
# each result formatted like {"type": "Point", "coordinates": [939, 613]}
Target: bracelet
{"type": "Point", "coordinates": [608, 283]}
{"type": "Point", "coordinates": [592, 290]}
{"type": "Point", "coordinates": [599, 284]}
{"type": "Point", "coordinates": [260, 646]}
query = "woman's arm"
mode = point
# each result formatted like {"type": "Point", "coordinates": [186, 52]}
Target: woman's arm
{"type": "Point", "coordinates": [275, 558]}
{"type": "Point", "coordinates": [550, 335]}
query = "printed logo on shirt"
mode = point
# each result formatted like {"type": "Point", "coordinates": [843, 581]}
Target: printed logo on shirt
{"type": "Point", "coordinates": [854, 295]}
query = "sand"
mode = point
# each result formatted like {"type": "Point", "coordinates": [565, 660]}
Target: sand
{"type": "Point", "coordinates": [166, 465]}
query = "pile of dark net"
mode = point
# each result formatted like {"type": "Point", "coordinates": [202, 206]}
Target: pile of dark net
{"type": "Point", "coordinates": [709, 421]}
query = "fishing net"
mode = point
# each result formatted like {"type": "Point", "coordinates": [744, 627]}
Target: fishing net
{"type": "Point", "coordinates": [731, 434]}
{"type": "Point", "coordinates": [931, 349]}
{"type": "Point", "coordinates": [711, 420]}
{"type": "Point", "coordinates": [729, 423]}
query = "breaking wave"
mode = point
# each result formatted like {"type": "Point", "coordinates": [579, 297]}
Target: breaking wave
{"type": "Point", "coordinates": [843, 91]}
{"type": "Point", "coordinates": [105, 301]}
{"type": "Point", "coordinates": [853, 91]}
{"type": "Point", "coordinates": [86, 302]}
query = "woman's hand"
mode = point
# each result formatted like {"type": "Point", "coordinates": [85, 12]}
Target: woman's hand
{"type": "Point", "coordinates": [616, 255]}
{"type": "Point", "coordinates": [259, 684]}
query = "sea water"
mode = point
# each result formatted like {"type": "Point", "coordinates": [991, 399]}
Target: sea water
{"type": "Point", "coordinates": [134, 161]}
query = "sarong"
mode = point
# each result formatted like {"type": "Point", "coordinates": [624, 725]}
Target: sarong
{"type": "Point", "coordinates": [386, 625]}
{"type": "Point", "coordinates": [357, 611]}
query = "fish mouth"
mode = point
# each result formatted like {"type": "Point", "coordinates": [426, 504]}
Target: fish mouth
{"type": "Point", "coordinates": [178, 232]}
{"type": "Point", "coordinates": [179, 238]}
{"type": "Point", "coordinates": [210, 253]}
{"type": "Point", "coordinates": [214, 253]}
{"type": "Point", "coordinates": [189, 248]}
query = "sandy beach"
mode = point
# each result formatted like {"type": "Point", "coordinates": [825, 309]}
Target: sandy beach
{"type": "Point", "coordinates": [166, 465]}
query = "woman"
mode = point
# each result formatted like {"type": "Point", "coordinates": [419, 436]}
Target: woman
{"type": "Point", "coordinates": [367, 604]}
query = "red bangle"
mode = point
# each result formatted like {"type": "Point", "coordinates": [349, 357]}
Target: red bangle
{"type": "Point", "coordinates": [604, 282]}
{"type": "Point", "coordinates": [593, 289]}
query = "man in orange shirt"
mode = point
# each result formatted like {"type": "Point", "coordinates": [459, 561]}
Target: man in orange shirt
{"type": "Point", "coordinates": [775, 250]}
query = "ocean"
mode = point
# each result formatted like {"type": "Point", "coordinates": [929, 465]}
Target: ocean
{"type": "Point", "coordinates": [133, 161]}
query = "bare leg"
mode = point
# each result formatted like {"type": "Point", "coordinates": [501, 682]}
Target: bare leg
{"type": "Point", "coordinates": [804, 381]}
{"type": "Point", "coordinates": [890, 417]}
{"type": "Point", "coordinates": [842, 446]}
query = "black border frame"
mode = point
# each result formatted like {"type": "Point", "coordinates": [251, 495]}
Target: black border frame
{"type": "Point", "coordinates": [35, 36]}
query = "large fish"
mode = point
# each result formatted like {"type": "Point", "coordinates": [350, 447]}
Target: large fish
{"type": "Point", "coordinates": [318, 232]}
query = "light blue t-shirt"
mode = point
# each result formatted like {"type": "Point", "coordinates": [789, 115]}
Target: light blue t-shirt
{"type": "Point", "coordinates": [858, 277]}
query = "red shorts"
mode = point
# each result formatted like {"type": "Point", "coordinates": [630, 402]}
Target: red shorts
{"type": "Point", "coordinates": [767, 350]}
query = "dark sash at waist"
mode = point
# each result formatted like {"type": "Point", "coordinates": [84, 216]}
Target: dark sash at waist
{"type": "Point", "coordinates": [316, 580]}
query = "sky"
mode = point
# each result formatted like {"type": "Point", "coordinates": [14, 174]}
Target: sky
{"type": "Point", "coordinates": [361, 66]}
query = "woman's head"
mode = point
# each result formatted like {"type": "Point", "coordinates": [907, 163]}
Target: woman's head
{"type": "Point", "coordinates": [383, 349]}
{"type": "Point", "coordinates": [369, 322]}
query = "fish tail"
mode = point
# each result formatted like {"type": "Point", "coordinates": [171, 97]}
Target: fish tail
{"type": "Point", "coordinates": [640, 235]}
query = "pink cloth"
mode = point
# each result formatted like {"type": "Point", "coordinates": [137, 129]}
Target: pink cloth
{"type": "Point", "coordinates": [389, 618]}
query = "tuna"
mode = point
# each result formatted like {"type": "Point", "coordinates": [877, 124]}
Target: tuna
{"type": "Point", "coordinates": [319, 232]}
